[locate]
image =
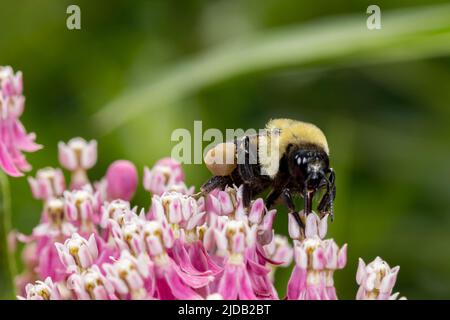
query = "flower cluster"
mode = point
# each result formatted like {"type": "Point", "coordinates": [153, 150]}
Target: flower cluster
{"type": "Point", "coordinates": [13, 137]}
{"type": "Point", "coordinates": [91, 243]}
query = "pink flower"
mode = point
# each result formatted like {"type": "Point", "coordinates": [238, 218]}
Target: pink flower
{"type": "Point", "coordinates": [41, 290]}
{"type": "Point", "coordinates": [54, 223]}
{"type": "Point", "coordinates": [235, 283]}
{"type": "Point", "coordinates": [166, 175]}
{"type": "Point", "coordinates": [77, 253]}
{"type": "Point", "coordinates": [315, 262]}
{"type": "Point", "coordinates": [13, 137]}
{"type": "Point", "coordinates": [178, 210]}
{"type": "Point", "coordinates": [91, 285]}
{"type": "Point", "coordinates": [78, 156]}
{"type": "Point", "coordinates": [121, 180]}
{"type": "Point", "coordinates": [95, 245]}
{"type": "Point", "coordinates": [171, 281]}
{"type": "Point", "coordinates": [40, 254]}
{"type": "Point", "coordinates": [376, 280]}
{"type": "Point", "coordinates": [117, 210]}
{"type": "Point", "coordinates": [49, 183]}
{"type": "Point", "coordinates": [221, 202]}
{"type": "Point", "coordinates": [279, 252]}
{"type": "Point", "coordinates": [131, 277]}
{"type": "Point", "coordinates": [128, 235]}
{"type": "Point", "coordinates": [82, 208]}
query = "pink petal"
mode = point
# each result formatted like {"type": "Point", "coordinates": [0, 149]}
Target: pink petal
{"type": "Point", "coordinates": [388, 282]}
{"type": "Point", "coordinates": [6, 163]}
{"type": "Point", "coordinates": [225, 203]}
{"type": "Point", "coordinates": [311, 225]}
{"type": "Point", "coordinates": [178, 288]}
{"type": "Point", "coordinates": [361, 272]}
{"type": "Point", "coordinates": [245, 285]}
{"type": "Point", "coordinates": [318, 259]}
{"type": "Point", "coordinates": [301, 258]}
{"type": "Point", "coordinates": [323, 226]}
{"type": "Point", "coordinates": [228, 285]}
{"type": "Point", "coordinates": [256, 211]}
{"type": "Point", "coordinates": [34, 187]}
{"type": "Point", "coordinates": [92, 245]}
{"type": "Point", "coordinates": [85, 257]}
{"type": "Point", "coordinates": [342, 257]}
{"type": "Point", "coordinates": [294, 228]}
{"type": "Point", "coordinates": [24, 141]}
{"type": "Point", "coordinates": [175, 214]}
{"type": "Point", "coordinates": [89, 155]}
{"type": "Point", "coordinates": [66, 157]}
{"type": "Point", "coordinates": [238, 243]}
{"type": "Point", "coordinates": [296, 284]}
{"type": "Point", "coordinates": [221, 240]}
{"type": "Point", "coordinates": [213, 205]}
{"type": "Point", "coordinates": [195, 220]}
{"type": "Point", "coordinates": [134, 280]}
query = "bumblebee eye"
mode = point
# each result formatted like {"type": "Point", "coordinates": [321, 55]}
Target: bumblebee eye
{"type": "Point", "coordinates": [300, 159]}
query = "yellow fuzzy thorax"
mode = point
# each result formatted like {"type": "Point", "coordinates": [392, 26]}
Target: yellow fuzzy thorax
{"type": "Point", "coordinates": [298, 132]}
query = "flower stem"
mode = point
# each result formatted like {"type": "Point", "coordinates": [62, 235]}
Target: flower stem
{"type": "Point", "coordinates": [7, 256]}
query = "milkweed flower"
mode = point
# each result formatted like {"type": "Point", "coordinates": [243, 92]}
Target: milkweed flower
{"type": "Point", "coordinates": [236, 280]}
{"type": "Point", "coordinates": [91, 285]}
{"type": "Point", "coordinates": [41, 290]}
{"type": "Point", "coordinates": [77, 253]}
{"type": "Point", "coordinates": [376, 280]}
{"type": "Point", "coordinates": [54, 223]}
{"type": "Point", "coordinates": [82, 208]}
{"type": "Point", "coordinates": [13, 137]}
{"type": "Point", "coordinates": [166, 175]}
{"type": "Point", "coordinates": [49, 183]}
{"type": "Point", "coordinates": [280, 254]}
{"type": "Point", "coordinates": [130, 276]}
{"type": "Point", "coordinates": [93, 244]}
{"type": "Point", "coordinates": [315, 262]}
{"type": "Point", "coordinates": [116, 210]}
{"type": "Point", "coordinates": [78, 156]}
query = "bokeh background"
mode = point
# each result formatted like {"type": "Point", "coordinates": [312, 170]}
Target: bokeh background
{"type": "Point", "coordinates": [138, 70]}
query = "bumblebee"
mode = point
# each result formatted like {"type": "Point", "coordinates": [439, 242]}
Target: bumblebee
{"type": "Point", "coordinates": [288, 157]}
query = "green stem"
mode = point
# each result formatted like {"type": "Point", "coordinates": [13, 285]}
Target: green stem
{"type": "Point", "coordinates": [5, 221]}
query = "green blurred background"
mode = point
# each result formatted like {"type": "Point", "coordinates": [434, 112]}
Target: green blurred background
{"type": "Point", "coordinates": [382, 97]}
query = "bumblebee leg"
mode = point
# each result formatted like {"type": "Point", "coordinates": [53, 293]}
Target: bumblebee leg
{"type": "Point", "coordinates": [326, 203]}
{"type": "Point", "coordinates": [272, 197]}
{"type": "Point", "coordinates": [308, 197]}
{"type": "Point", "coordinates": [246, 161]}
{"type": "Point", "coordinates": [246, 194]}
{"type": "Point", "coordinates": [287, 199]}
{"type": "Point", "coordinates": [216, 182]}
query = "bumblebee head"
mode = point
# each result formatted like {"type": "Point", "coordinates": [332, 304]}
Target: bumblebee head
{"type": "Point", "coordinates": [310, 164]}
